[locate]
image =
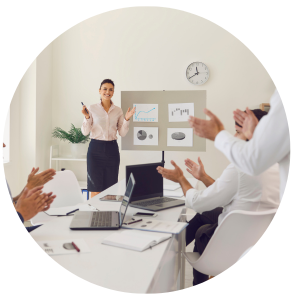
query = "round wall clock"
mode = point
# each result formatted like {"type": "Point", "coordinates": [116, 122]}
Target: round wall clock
{"type": "Point", "coordinates": [197, 73]}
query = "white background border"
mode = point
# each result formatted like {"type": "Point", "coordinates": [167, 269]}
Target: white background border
{"type": "Point", "coordinates": [270, 30]}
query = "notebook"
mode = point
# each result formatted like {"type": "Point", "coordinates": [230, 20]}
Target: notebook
{"type": "Point", "coordinates": [135, 240]}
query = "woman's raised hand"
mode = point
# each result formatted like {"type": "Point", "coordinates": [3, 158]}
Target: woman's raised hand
{"type": "Point", "coordinates": [129, 113]}
{"type": "Point", "coordinates": [85, 112]}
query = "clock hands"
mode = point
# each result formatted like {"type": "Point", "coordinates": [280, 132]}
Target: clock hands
{"type": "Point", "coordinates": [193, 76]}
{"type": "Point", "coordinates": [197, 73]}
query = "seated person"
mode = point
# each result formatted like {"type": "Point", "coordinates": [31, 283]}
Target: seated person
{"type": "Point", "coordinates": [31, 200]}
{"type": "Point", "coordinates": [234, 190]}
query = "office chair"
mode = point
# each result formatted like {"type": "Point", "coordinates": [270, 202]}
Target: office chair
{"type": "Point", "coordinates": [239, 231]}
{"type": "Point", "coordinates": [66, 188]}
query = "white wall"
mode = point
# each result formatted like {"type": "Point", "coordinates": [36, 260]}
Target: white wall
{"type": "Point", "coordinates": [150, 49]}
{"type": "Point", "coordinates": [43, 108]}
{"type": "Point", "coordinates": [31, 122]}
{"type": "Point", "coordinates": [12, 169]}
{"type": "Point", "coordinates": [138, 54]}
{"type": "Point", "coordinates": [27, 148]}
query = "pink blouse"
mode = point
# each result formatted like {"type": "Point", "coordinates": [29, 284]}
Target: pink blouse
{"type": "Point", "coordinates": [104, 126]}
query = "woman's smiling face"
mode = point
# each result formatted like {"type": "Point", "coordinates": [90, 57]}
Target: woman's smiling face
{"type": "Point", "coordinates": [106, 91]}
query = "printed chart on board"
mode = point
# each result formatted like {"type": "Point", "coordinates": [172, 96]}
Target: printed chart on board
{"type": "Point", "coordinates": [145, 136]}
{"type": "Point", "coordinates": [181, 137]}
{"type": "Point", "coordinates": [145, 113]}
{"type": "Point", "coordinates": [180, 112]}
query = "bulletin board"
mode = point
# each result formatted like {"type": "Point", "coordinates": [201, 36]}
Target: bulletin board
{"type": "Point", "coordinates": [152, 119]}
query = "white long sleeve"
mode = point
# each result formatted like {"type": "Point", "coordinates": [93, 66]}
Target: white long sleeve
{"type": "Point", "coordinates": [104, 125]}
{"type": "Point", "coordinates": [235, 190]}
{"type": "Point", "coordinates": [220, 193]}
{"type": "Point", "coordinates": [270, 144]}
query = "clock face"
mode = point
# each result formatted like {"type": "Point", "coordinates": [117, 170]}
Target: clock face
{"type": "Point", "coordinates": [197, 73]}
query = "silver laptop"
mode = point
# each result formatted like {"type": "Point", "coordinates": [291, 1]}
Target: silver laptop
{"type": "Point", "coordinates": [97, 220]}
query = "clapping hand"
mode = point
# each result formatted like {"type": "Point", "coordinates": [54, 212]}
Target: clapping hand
{"type": "Point", "coordinates": [35, 180]}
{"type": "Point", "coordinates": [49, 201]}
{"type": "Point", "coordinates": [129, 113]}
{"type": "Point", "coordinates": [247, 120]}
{"type": "Point", "coordinates": [175, 175]}
{"type": "Point", "coordinates": [206, 128]}
{"type": "Point", "coordinates": [30, 203]}
{"type": "Point", "coordinates": [196, 170]}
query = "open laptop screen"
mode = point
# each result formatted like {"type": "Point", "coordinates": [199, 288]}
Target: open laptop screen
{"type": "Point", "coordinates": [126, 198]}
{"type": "Point", "coordinates": [149, 183]}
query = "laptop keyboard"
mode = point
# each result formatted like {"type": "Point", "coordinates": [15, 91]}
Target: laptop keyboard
{"type": "Point", "coordinates": [154, 202]}
{"type": "Point", "coordinates": [101, 219]}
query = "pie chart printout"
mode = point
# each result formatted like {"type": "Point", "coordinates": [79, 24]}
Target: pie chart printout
{"type": "Point", "coordinates": [178, 136]}
{"type": "Point", "coordinates": [142, 135]}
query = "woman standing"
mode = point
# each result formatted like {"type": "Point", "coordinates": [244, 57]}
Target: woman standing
{"type": "Point", "coordinates": [103, 120]}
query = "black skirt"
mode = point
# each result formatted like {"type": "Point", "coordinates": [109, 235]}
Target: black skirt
{"type": "Point", "coordinates": [103, 161]}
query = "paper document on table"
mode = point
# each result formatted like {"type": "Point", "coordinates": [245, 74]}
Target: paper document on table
{"type": "Point", "coordinates": [171, 187]}
{"type": "Point", "coordinates": [63, 211]}
{"type": "Point", "coordinates": [135, 240]}
{"type": "Point", "coordinates": [158, 226]}
{"type": "Point", "coordinates": [58, 247]}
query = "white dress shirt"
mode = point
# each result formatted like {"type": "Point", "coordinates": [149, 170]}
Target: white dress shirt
{"type": "Point", "coordinates": [104, 125]}
{"type": "Point", "coordinates": [270, 144]}
{"type": "Point", "coordinates": [235, 190]}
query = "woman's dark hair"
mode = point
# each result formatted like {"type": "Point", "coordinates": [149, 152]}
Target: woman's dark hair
{"type": "Point", "coordinates": [258, 114]}
{"type": "Point", "coordinates": [107, 81]}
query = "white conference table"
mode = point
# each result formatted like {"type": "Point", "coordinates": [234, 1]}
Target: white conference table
{"type": "Point", "coordinates": [156, 270]}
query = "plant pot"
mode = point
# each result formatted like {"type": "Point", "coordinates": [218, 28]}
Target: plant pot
{"type": "Point", "coordinates": [78, 150]}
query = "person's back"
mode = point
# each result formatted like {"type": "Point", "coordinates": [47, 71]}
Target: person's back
{"type": "Point", "coordinates": [255, 193]}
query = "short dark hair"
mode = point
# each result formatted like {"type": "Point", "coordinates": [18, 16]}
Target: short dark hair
{"type": "Point", "coordinates": [107, 81]}
{"type": "Point", "coordinates": [258, 114]}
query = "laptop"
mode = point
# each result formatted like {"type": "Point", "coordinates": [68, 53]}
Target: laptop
{"type": "Point", "coordinates": [108, 220]}
{"type": "Point", "coordinates": [149, 191]}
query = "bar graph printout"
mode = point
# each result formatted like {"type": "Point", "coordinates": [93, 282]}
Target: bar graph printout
{"type": "Point", "coordinates": [180, 112]}
{"type": "Point", "coordinates": [145, 113]}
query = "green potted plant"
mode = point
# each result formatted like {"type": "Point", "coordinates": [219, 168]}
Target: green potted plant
{"type": "Point", "coordinates": [74, 136]}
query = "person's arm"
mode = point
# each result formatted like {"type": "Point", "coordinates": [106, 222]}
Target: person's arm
{"type": "Point", "coordinates": [87, 121]}
{"type": "Point", "coordinates": [218, 194]}
{"type": "Point", "coordinates": [123, 125]}
{"type": "Point", "coordinates": [270, 142]}
{"type": "Point", "coordinates": [175, 175]}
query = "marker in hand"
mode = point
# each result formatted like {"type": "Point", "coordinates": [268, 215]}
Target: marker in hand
{"type": "Point", "coordinates": [85, 109]}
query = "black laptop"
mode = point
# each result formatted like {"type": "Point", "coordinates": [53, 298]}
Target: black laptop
{"type": "Point", "coordinates": [149, 190]}
{"type": "Point", "coordinates": [97, 220]}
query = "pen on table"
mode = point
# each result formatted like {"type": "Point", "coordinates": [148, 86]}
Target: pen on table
{"type": "Point", "coordinates": [133, 221]}
{"type": "Point", "coordinates": [72, 211]}
{"type": "Point", "coordinates": [77, 249]}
